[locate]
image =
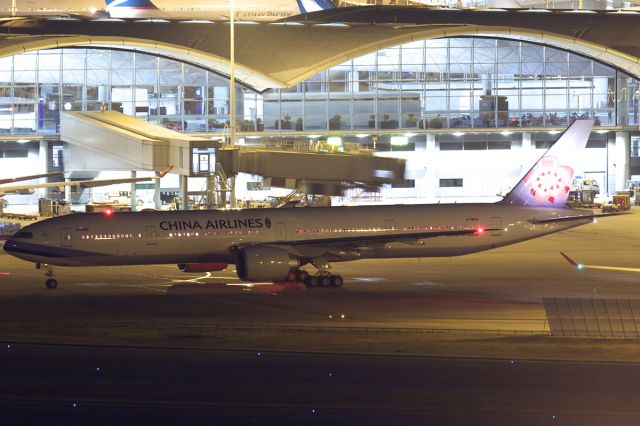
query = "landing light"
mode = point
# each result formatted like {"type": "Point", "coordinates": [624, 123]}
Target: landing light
{"type": "Point", "coordinates": [580, 266]}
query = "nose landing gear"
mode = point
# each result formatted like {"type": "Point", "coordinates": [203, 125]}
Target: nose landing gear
{"type": "Point", "coordinates": [51, 282]}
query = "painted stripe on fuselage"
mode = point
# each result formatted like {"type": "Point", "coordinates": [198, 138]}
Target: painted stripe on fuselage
{"type": "Point", "coordinates": [48, 250]}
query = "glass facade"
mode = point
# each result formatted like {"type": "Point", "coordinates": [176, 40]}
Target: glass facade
{"type": "Point", "coordinates": [457, 83]}
{"type": "Point", "coordinates": [35, 87]}
{"type": "Point", "coordinates": [443, 83]}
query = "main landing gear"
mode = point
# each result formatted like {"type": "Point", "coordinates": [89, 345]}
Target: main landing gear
{"type": "Point", "coordinates": [51, 281]}
{"type": "Point", "coordinates": [322, 279]}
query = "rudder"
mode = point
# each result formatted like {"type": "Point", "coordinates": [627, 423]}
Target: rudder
{"type": "Point", "coordinates": [548, 182]}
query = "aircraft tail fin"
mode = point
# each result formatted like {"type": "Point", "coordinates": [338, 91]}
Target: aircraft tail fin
{"type": "Point", "coordinates": [548, 182]}
{"type": "Point", "coordinates": [307, 6]}
{"type": "Point", "coordinates": [129, 8]}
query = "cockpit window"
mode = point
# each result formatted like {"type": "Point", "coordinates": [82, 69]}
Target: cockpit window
{"type": "Point", "coordinates": [23, 234]}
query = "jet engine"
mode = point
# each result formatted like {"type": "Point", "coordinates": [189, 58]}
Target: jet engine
{"type": "Point", "coordinates": [202, 267]}
{"type": "Point", "coordinates": [261, 263]}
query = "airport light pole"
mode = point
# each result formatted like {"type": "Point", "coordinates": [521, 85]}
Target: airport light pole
{"type": "Point", "coordinates": [232, 91]}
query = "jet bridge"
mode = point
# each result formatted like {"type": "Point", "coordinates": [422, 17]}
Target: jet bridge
{"type": "Point", "coordinates": [114, 141]}
{"type": "Point", "coordinates": [313, 172]}
{"type": "Point", "coordinates": [110, 140]}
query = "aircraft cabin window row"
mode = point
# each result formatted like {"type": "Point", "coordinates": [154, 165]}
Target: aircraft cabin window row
{"type": "Point", "coordinates": [402, 228]}
{"type": "Point", "coordinates": [109, 236]}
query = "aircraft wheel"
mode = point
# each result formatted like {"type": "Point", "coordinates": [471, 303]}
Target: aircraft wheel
{"type": "Point", "coordinates": [51, 283]}
{"type": "Point", "coordinates": [311, 281]}
{"type": "Point", "coordinates": [336, 281]}
{"type": "Point", "coordinates": [325, 281]}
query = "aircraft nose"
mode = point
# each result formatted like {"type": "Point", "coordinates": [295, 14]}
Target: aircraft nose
{"type": "Point", "coordinates": [11, 245]}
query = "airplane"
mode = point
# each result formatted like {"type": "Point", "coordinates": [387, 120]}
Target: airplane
{"type": "Point", "coordinates": [29, 188]}
{"type": "Point", "coordinates": [581, 266]}
{"type": "Point", "coordinates": [31, 177]}
{"type": "Point", "coordinates": [273, 244]}
{"type": "Point", "coordinates": [216, 10]}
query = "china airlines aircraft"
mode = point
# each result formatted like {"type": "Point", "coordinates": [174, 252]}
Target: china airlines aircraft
{"type": "Point", "coordinates": [273, 244]}
{"type": "Point", "coordinates": [29, 188]}
{"type": "Point", "coordinates": [215, 9]}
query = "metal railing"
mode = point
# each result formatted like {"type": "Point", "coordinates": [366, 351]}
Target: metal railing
{"type": "Point", "coordinates": [191, 329]}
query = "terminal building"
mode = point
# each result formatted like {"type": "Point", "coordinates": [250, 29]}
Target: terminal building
{"type": "Point", "coordinates": [469, 114]}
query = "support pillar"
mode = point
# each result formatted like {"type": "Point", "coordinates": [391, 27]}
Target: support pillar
{"type": "Point", "coordinates": [156, 192]}
{"type": "Point", "coordinates": [134, 198]}
{"type": "Point", "coordinates": [67, 190]}
{"type": "Point", "coordinates": [232, 183]}
{"type": "Point", "coordinates": [431, 181]}
{"type": "Point", "coordinates": [621, 160]}
{"type": "Point", "coordinates": [528, 155]}
{"type": "Point", "coordinates": [184, 190]}
{"type": "Point", "coordinates": [43, 156]}
{"type": "Point", "coordinates": [45, 161]}
{"type": "Point", "coordinates": [528, 143]}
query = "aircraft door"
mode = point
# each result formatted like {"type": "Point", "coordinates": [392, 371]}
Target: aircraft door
{"type": "Point", "coordinates": [281, 231]}
{"type": "Point", "coordinates": [65, 237]}
{"type": "Point", "coordinates": [496, 223]}
{"type": "Point", "coordinates": [152, 235]}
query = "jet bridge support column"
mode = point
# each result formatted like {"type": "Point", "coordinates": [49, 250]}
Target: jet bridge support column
{"type": "Point", "coordinates": [67, 190]}
{"type": "Point", "coordinates": [134, 198]}
{"type": "Point", "coordinates": [156, 192]}
{"type": "Point", "coordinates": [184, 190]}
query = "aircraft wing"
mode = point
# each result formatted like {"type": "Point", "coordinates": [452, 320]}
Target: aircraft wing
{"type": "Point", "coordinates": [23, 178]}
{"type": "Point", "coordinates": [602, 267]}
{"type": "Point", "coordinates": [570, 218]}
{"type": "Point", "coordinates": [27, 189]}
{"type": "Point", "coordinates": [385, 238]}
{"type": "Point", "coordinates": [340, 246]}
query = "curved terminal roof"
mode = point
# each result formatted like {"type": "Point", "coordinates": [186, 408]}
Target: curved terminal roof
{"type": "Point", "coordinates": [281, 54]}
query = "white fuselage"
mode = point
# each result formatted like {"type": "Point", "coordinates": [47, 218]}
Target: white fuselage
{"type": "Point", "coordinates": [216, 236]}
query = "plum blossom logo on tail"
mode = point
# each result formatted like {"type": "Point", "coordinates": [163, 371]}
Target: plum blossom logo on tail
{"type": "Point", "coordinates": [549, 181]}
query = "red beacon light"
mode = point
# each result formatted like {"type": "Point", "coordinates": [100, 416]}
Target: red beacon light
{"type": "Point", "coordinates": [480, 231]}
{"type": "Point", "coordinates": [108, 211]}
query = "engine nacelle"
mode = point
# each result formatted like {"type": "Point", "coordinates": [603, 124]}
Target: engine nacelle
{"type": "Point", "coordinates": [261, 263]}
{"type": "Point", "coordinates": [202, 267]}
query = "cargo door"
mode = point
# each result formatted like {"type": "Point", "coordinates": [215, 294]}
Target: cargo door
{"type": "Point", "coordinates": [65, 237]}
{"type": "Point", "coordinates": [152, 235]}
{"type": "Point", "coordinates": [496, 223]}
